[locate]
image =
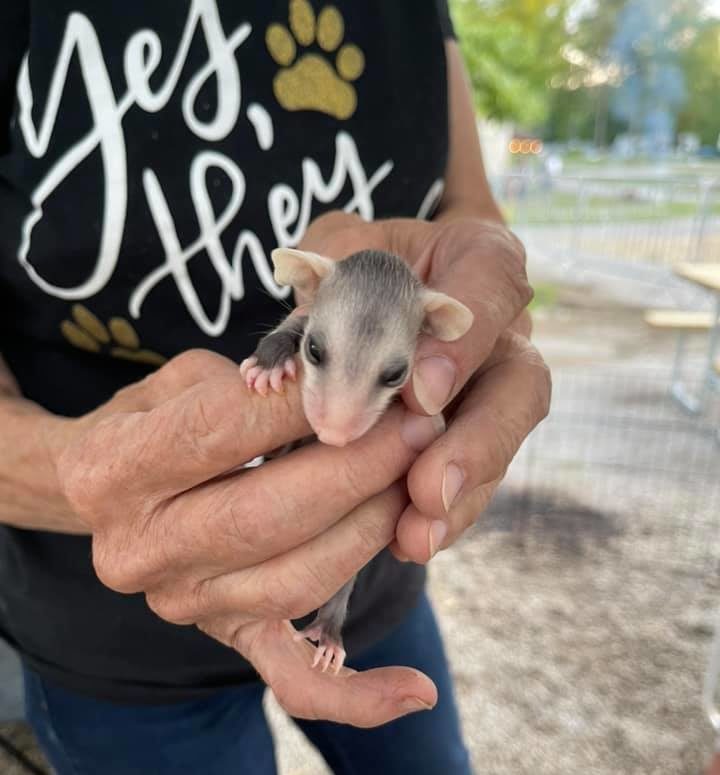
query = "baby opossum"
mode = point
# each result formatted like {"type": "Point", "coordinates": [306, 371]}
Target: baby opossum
{"type": "Point", "coordinates": [356, 339]}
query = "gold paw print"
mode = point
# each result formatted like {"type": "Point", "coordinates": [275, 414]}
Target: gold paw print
{"type": "Point", "coordinates": [312, 82]}
{"type": "Point", "coordinates": [118, 338]}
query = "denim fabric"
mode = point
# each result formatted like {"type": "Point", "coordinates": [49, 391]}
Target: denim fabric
{"type": "Point", "coordinates": [227, 733]}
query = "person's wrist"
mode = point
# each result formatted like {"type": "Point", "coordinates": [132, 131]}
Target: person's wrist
{"type": "Point", "coordinates": [56, 434]}
{"type": "Point", "coordinates": [45, 437]}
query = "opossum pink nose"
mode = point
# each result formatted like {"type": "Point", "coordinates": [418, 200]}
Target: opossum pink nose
{"type": "Point", "coordinates": [334, 437]}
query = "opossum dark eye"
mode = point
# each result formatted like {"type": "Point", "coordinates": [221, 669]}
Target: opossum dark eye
{"type": "Point", "coordinates": [394, 376]}
{"type": "Point", "coordinates": [313, 350]}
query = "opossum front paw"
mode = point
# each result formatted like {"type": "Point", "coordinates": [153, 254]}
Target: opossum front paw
{"type": "Point", "coordinates": [329, 650]}
{"type": "Point", "coordinates": [263, 379]}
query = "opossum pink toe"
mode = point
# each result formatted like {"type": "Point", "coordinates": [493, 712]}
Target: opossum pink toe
{"type": "Point", "coordinates": [276, 379]}
{"type": "Point", "coordinates": [329, 654]}
{"type": "Point", "coordinates": [291, 369]}
{"type": "Point", "coordinates": [339, 660]}
{"type": "Point", "coordinates": [252, 374]}
{"type": "Point", "coordinates": [246, 365]}
{"type": "Point", "coordinates": [261, 382]}
{"type": "Point", "coordinates": [319, 654]}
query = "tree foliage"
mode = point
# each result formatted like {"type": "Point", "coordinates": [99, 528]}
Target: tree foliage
{"type": "Point", "coordinates": [512, 48]}
{"type": "Point", "coordinates": [543, 65]}
{"type": "Point", "coordinates": [701, 64]}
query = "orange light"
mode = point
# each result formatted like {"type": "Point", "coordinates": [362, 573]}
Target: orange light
{"type": "Point", "coordinates": [525, 146]}
{"type": "Point", "coordinates": [536, 146]}
{"type": "Point", "coordinates": [514, 146]}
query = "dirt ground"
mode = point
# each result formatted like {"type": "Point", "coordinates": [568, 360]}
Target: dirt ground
{"type": "Point", "coordinates": [578, 613]}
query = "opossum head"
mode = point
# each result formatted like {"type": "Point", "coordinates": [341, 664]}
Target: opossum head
{"type": "Point", "coordinates": [358, 348]}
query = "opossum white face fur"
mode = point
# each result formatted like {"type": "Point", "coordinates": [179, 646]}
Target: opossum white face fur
{"type": "Point", "coordinates": [359, 341]}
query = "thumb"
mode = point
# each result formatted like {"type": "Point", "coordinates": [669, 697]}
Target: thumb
{"type": "Point", "coordinates": [362, 699]}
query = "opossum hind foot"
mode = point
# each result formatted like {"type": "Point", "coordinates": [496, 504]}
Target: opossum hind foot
{"type": "Point", "coordinates": [329, 651]}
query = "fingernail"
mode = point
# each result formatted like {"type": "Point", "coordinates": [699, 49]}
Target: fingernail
{"type": "Point", "coordinates": [452, 483]}
{"type": "Point", "coordinates": [436, 535]}
{"type": "Point", "coordinates": [419, 432]}
{"type": "Point", "coordinates": [433, 381]}
{"type": "Point", "coordinates": [412, 704]}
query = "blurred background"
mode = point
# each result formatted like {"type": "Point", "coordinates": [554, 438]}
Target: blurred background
{"type": "Point", "coordinates": [580, 612]}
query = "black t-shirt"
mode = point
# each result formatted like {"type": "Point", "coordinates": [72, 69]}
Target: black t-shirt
{"type": "Point", "coordinates": [151, 155]}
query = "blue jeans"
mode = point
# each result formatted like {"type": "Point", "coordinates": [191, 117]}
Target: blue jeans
{"type": "Point", "coordinates": [227, 733]}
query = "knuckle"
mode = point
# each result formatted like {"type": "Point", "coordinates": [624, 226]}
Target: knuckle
{"type": "Point", "coordinates": [195, 362]}
{"type": "Point", "coordinates": [521, 290]}
{"type": "Point", "coordinates": [174, 607]}
{"type": "Point", "coordinates": [111, 565]}
{"type": "Point", "coordinates": [190, 360]}
{"type": "Point", "coordinates": [541, 378]}
{"type": "Point", "coordinates": [122, 562]}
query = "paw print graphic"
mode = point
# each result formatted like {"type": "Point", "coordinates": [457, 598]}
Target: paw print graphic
{"type": "Point", "coordinates": [313, 81]}
{"type": "Point", "coordinates": [118, 338]}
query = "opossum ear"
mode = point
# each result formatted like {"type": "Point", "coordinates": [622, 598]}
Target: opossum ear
{"type": "Point", "coordinates": [301, 269]}
{"type": "Point", "coordinates": [445, 318]}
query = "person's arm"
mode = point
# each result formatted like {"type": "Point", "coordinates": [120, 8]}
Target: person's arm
{"type": "Point", "coordinates": [467, 191]}
{"type": "Point", "coordinates": [31, 438]}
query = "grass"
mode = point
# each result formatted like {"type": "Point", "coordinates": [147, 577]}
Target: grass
{"type": "Point", "coordinates": [565, 207]}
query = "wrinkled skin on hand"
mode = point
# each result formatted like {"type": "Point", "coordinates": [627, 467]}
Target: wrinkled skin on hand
{"type": "Point", "coordinates": [154, 475]}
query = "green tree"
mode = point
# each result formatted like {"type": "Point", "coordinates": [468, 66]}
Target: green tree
{"type": "Point", "coordinates": [701, 63]}
{"type": "Point", "coordinates": [580, 99]}
{"type": "Point", "coordinates": [512, 49]}
{"type": "Point", "coordinates": [623, 56]}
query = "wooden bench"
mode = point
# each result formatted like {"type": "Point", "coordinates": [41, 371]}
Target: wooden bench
{"type": "Point", "coordinates": [678, 320]}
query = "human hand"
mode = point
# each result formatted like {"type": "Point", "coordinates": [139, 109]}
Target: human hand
{"type": "Point", "coordinates": [492, 383]}
{"type": "Point", "coordinates": [154, 476]}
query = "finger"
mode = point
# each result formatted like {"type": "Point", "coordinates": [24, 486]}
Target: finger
{"type": "Point", "coordinates": [178, 374]}
{"type": "Point", "coordinates": [362, 699]}
{"type": "Point", "coordinates": [206, 430]}
{"type": "Point", "coordinates": [420, 538]}
{"type": "Point", "coordinates": [481, 265]}
{"type": "Point", "coordinates": [293, 584]}
{"type": "Point", "coordinates": [245, 519]}
{"type": "Point", "coordinates": [493, 419]}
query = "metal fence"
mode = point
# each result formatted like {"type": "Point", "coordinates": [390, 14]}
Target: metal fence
{"type": "Point", "coordinates": [618, 464]}
{"type": "Point", "coordinates": [656, 220]}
